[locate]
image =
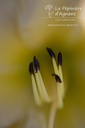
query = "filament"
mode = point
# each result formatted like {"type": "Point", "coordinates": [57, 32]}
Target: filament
{"type": "Point", "coordinates": [35, 91]}
{"type": "Point", "coordinates": [55, 66]}
{"type": "Point", "coordinates": [52, 115]}
{"type": "Point", "coordinates": [45, 94]}
{"type": "Point", "coordinates": [62, 84]}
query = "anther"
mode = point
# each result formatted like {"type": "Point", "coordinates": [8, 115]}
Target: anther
{"type": "Point", "coordinates": [36, 64]}
{"type": "Point", "coordinates": [59, 58]}
{"type": "Point", "coordinates": [31, 70]}
{"type": "Point", "coordinates": [53, 56]}
{"type": "Point", "coordinates": [57, 78]}
{"type": "Point", "coordinates": [51, 53]}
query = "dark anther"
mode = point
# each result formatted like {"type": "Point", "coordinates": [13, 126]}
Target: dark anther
{"type": "Point", "coordinates": [59, 58]}
{"type": "Point", "coordinates": [36, 64]}
{"type": "Point", "coordinates": [57, 78]}
{"type": "Point", "coordinates": [51, 53]}
{"type": "Point", "coordinates": [31, 68]}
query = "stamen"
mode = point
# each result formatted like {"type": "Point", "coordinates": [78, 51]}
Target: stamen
{"type": "Point", "coordinates": [53, 56]}
{"type": "Point", "coordinates": [60, 73]}
{"type": "Point", "coordinates": [35, 91]}
{"type": "Point", "coordinates": [40, 83]}
{"type": "Point", "coordinates": [59, 94]}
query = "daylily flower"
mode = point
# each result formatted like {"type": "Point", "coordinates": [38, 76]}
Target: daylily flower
{"type": "Point", "coordinates": [25, 33]}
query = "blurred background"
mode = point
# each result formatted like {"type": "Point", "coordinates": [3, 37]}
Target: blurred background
{"type": "Point", "coordinates": [25, 33]}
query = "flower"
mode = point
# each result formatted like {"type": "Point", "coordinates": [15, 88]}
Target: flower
{"type": "Point", "coordinates": [23, 33]}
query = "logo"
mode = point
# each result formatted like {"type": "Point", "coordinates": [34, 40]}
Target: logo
{"type": "Point", "coordinates": [49, 8]}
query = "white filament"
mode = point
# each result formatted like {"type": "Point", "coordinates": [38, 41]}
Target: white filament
{"type": "Point", "coordinates": [35, 91]}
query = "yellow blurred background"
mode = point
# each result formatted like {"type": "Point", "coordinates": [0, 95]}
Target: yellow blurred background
{"type": "Point", "coordinates": [25, 33]}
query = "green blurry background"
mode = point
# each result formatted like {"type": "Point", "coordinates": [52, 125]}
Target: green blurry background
{"type": "Point", "coordinates": [23, 34]}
